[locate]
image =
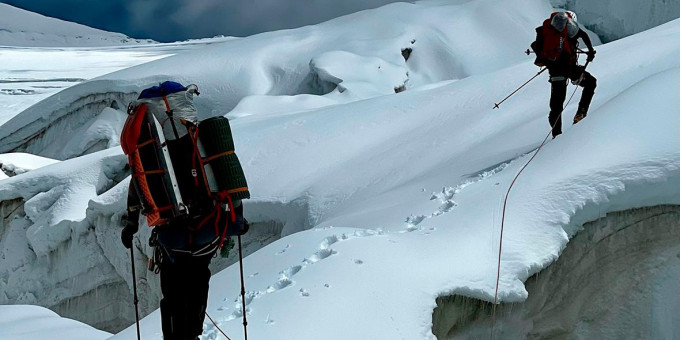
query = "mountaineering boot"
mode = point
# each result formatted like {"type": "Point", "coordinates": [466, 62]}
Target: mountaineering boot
{"type": "Point", "coordinates": [580, 114]}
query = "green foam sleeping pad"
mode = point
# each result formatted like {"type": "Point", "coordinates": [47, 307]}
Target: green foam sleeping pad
{"type": "Point", "coordinates": [215, 135]}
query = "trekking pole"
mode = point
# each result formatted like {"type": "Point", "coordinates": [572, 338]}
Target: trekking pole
{"type": "Point", "coordinates": [134, 289]}
{"type": "Point", "coordinates": [243, 289]}
{"type": "Point", "coordinates": [579, 51]}
{"type": "Point", "coordinates": [496, 105]}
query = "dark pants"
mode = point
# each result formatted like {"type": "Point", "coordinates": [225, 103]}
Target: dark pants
{"type": "Point", "coordinates": [184, 284]}
{"type": "Point", "coordinates": [558, 93]}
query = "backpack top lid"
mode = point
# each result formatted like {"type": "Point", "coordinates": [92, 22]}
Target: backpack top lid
{"type": "Point", "coordinates": [559, 21]}
{"type": "Point", "coordinates": [171, 103]}
{"type": "Point", "coordinates": [163, 89]}
{"type": "Point", "coordinates": [562, 20]}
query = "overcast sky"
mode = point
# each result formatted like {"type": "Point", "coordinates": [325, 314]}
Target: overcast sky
{"type": "Point", "coordinates": [170, 20]}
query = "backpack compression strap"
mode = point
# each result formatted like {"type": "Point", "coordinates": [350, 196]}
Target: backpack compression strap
{"type": "Point", "coordinates": [170, 114]}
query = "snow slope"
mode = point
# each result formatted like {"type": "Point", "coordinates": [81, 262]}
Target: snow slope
{"type": "Point", "coordinates": [34, 323]}
{"type": "Point", "coordinates": [386, 201]}
{"type": "Point", "coordinates": [383, 281]}
{"type": "Point", "coordinates": [19, 27]}
{"type": "Point", "coordinates": [283, 68]}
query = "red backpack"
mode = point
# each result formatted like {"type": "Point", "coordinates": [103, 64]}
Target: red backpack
{"type": "Point", "coordinates": [555, 42]}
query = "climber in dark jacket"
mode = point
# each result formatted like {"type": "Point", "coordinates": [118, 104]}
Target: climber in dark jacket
{"type": "Point", "coordinates": [556, 47]}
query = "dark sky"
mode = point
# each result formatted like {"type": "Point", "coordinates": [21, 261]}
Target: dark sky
{"type": "Point", "coordinates": [170, 20]}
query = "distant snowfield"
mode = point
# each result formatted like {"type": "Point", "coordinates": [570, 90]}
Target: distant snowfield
{"type": "Point", "coordinates": [28, 74]}
{"type": "Point", "coordinates": [386, 200]}
{"type": "Point", "coordinates": [41, 56]}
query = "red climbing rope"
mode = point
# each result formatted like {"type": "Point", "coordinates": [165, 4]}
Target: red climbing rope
{"type": "Point", "coordinates": [505, 203]}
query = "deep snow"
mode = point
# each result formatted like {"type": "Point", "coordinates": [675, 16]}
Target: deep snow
{"type": "Point", "coordinates": [402, 192]}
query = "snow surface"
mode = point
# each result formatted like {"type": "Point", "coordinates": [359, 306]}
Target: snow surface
{"type": "Point", "coordinates": [402, 192]}
{"type": "Point", "coordinates": [35, 323]}
{"type": "Point", "coordinates": [277, 64]}
{"type": "Point", "coordinates": [19, 27]}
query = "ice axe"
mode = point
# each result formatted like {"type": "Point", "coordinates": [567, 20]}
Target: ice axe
{"type": "Point", "coordinates": [497, 105]}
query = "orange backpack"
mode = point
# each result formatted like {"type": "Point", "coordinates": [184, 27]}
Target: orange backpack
{"type": "Point", "coordinates": [214, 172]}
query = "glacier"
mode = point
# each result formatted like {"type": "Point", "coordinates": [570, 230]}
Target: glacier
{"type": "Point", "coordinates": [371, 205]}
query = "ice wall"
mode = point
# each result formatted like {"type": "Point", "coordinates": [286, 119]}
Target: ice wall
{"type": "Point", "coordinates": [60, 240]}
{"type": "Point", "coordinates": [617, 279]}
{"type": "Point", "coordinates": [615, 19]}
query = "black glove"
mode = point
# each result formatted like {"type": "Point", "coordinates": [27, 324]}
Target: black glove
{"type": "Point", "coordinates": [128, 232]}
{"type": "Point", "coordinates": [591, 55]}
{"type": "Point", "coordinates": [539, 62]}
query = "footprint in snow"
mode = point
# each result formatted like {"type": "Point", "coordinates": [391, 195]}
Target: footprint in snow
{"type": "Point", "coordinates": [282, 250]}
{"type": "Point", "coordinates": [328, 241]}
{"type": "Point", "coordinates": [320, 255]}
{"type": "Point", "coordinates": [290, 271]}
{"type": "Point", "coordinates": [285, 276]}
{"type": "Point", "coordinates": [415, 220]}
{"type": "Point", "coordinates": [280, 284]}
{"type": "Point", "coordinates": [447, 194]}
{"type": "Point", "coordinates": [238, 306]}
{"type": "Point", "coordinates": [250, 296]}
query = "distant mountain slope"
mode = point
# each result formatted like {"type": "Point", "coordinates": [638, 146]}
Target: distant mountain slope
{"type": "Point", "coordinates": [19, 27]}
